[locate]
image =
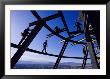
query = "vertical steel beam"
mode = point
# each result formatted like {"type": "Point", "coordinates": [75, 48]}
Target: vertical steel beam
{"type": "Point", "coordinates": [91, 51]}
{"type": "Point", "coordinates": [64, 22]}
{"type": "Point", "coordinates": [93, 57]}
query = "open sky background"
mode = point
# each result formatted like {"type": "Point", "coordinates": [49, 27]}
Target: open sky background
{"type": "Point", "coordinates": [20, 20]}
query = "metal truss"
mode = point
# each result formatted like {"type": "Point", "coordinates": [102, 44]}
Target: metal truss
{"type": "Point", "coordinates": [41, 22]}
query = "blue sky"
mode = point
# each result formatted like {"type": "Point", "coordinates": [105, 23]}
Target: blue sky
{"type": "Point", "coordinates": [20, 20]}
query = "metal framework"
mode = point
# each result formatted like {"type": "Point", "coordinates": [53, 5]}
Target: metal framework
{"type": "Point", "coordinates": [89, 17]}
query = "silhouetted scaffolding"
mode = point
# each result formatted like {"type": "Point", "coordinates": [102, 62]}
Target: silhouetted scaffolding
{"type": "Point", "coordinates": [91, 29]}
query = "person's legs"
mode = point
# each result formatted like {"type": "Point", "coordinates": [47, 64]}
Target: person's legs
{"type": "Point", "coordinates": [45, 50]}
{"type": "Point", "coordinates": [84, 61]}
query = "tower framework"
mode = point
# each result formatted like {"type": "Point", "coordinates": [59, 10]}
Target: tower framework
{"type": "Point", "coordinates": [91, 30]}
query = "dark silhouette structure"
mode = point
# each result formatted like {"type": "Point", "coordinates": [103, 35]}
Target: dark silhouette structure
{"type": "Point", "coordinates": [24, 35]}
{"type": "Point", "coordinates": [57, 30]}
{"type": "Point", "coordinates": [91, 18]}
{"type": "Point", "coordinates": [85, 52]}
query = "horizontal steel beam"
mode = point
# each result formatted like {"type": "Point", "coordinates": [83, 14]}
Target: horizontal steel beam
{"type": "Point", "coordinates": [75, 32]}
{"type": "Point", "coordinates": [38, 52]}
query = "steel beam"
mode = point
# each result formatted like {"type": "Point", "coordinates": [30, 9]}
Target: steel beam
{"type": "Point", "coordinates": [45, 19]}
{"type": "Point", "coordinates": [93, 57]}
{"type": "Point", "coordinates": [64, 22]}
{"type": "Point", "coordinates": [60, 55]}
{"type": "Point", "coordinates": [75, 32]}
{"type": "Point", "coordinates": [62, 36]}
{"type": "Point", "coordinates": [51, 34]}
{"type": "Point", "coordinates": [46, 26]}
{"type": "Point", "coordinates": [38, 52]}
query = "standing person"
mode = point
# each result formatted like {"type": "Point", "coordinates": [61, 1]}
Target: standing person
{"type": "Point", "coordinates": [44, 46]}
{"type": "Point", "coordinates": [78, 26]}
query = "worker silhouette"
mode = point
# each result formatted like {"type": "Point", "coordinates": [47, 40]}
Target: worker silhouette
{"type": "Point", "coordinates": [44, 46]}
{"type": "Point", "coordinates": [84, 50]}
{"type": "Point", "coordinates": [85, 56]}
{"type": "Point", "coordinates": [24, 35]}
{"type": "Point", "coordinates": [57, 30]}
{"type": "Point", "coordinates": [78, 26]}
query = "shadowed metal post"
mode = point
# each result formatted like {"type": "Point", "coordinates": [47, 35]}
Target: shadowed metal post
{"type": "Point", "coordinates": [93, 57]}
{"type": "Point", "coordinates": [91, 51]}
